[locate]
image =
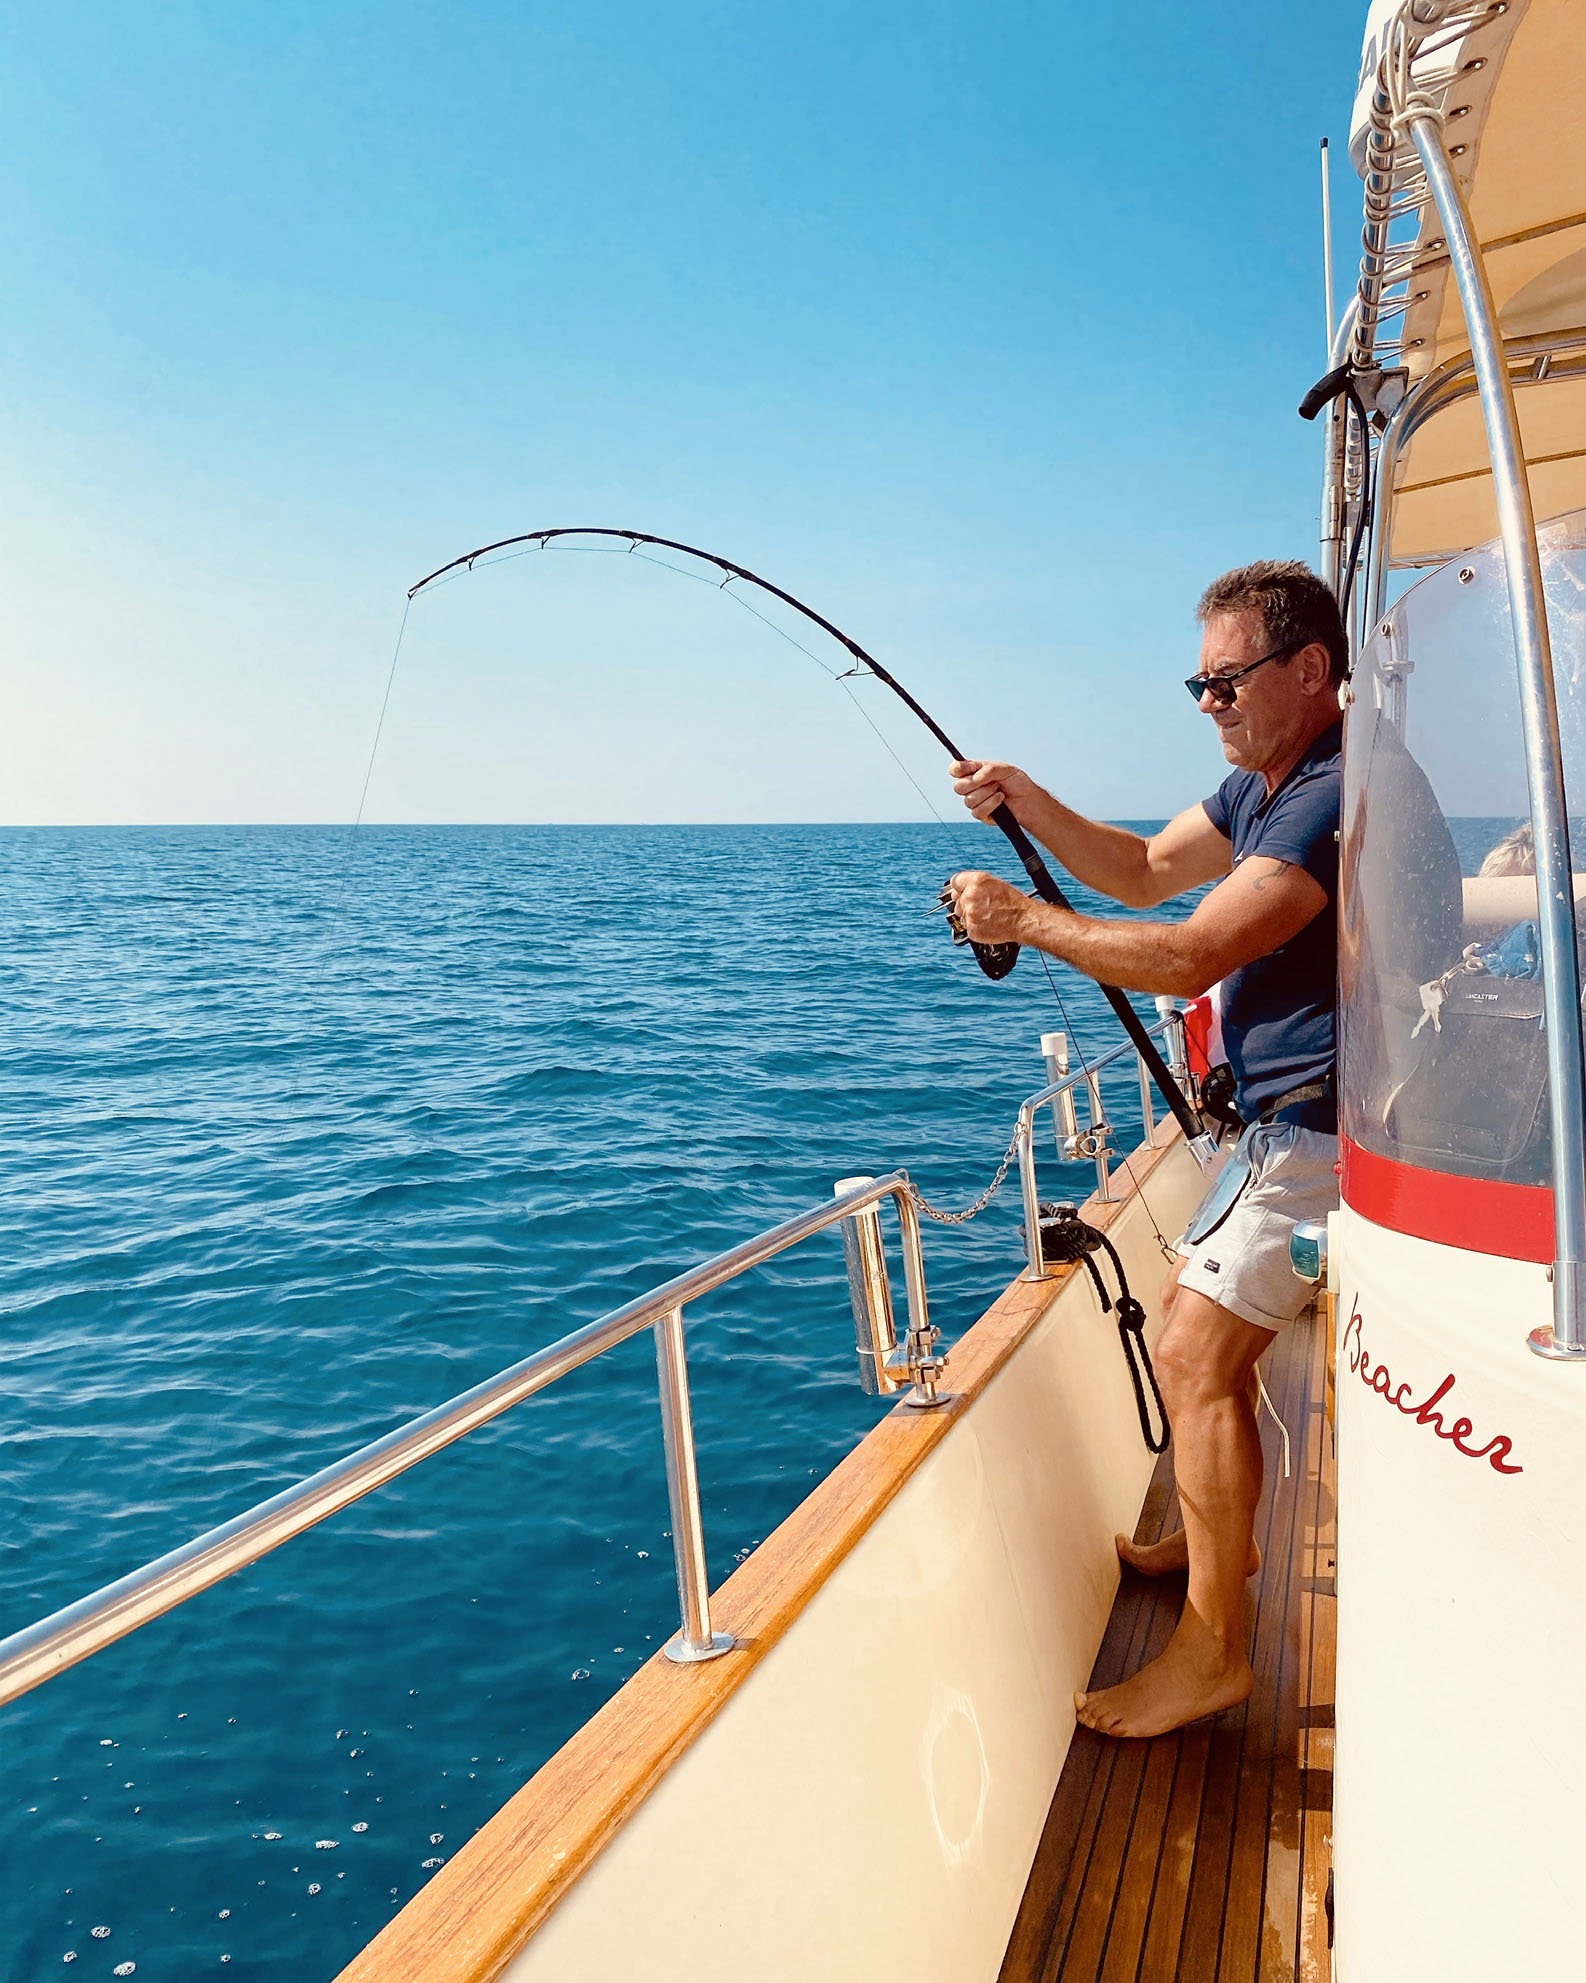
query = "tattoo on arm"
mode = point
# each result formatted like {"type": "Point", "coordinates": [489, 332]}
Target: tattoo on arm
{"type": "Point", "coordinates": [1278, 867]}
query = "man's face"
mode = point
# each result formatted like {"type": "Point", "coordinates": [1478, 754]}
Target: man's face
{"type": "Point", "coordinates": [1270, 706]}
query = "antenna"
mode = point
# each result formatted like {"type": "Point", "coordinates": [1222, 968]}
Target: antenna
{"type": "Point", "coordinates": [1327, 252]}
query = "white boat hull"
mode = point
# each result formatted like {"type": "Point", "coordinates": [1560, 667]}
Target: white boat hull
{"type": "Point", "coordinates": [1461, 1741]}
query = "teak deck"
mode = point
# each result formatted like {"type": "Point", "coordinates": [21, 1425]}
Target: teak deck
{"type": "Point", "coordinates": [1202, 1857]}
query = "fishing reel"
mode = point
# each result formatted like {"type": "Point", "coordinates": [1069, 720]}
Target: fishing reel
{"type": "Point", "coordinates": [995, 959]}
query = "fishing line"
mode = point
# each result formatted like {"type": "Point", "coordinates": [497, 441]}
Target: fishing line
{"type": "Point", "coordinates": [839, 676]}
{"type": "Point", "coordinates": [1094, 1083]}
{"type": "Point", "coordinates": [385, 704]}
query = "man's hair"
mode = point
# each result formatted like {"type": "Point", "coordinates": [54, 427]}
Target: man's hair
{"type": "Point", "coordinates": [1296, 607]}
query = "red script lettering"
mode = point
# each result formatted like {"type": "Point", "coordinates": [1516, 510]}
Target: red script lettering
{"type": "Point", "coordinates": [1379, 1380]}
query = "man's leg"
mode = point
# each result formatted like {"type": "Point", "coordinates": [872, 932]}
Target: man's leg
{"type": "Point", "coordinates": [1204, 1361]}
{"type": "Point", "coordinates": [1171, 1554]}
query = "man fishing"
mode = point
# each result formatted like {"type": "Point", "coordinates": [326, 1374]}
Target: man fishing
{"type": "Point", "coordinates": [1273, 654]}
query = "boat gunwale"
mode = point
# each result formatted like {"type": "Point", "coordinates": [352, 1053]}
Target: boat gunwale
{"type": "Point", "coordinates": [480, 1910]}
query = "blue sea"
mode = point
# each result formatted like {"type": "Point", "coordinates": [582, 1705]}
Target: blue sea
{"type": "Point", "coordinates": [303, 1132]}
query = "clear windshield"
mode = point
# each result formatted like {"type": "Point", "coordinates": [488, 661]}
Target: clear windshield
{"type": "Point", "coordinates": [1443, 1058]}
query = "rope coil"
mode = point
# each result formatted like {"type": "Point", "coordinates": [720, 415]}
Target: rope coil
{"type": "Point", "coordinates": [1066, 1236]}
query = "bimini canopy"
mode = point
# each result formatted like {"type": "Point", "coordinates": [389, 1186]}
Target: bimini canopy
{"type": "Point", "coordinates": [1511, 79]}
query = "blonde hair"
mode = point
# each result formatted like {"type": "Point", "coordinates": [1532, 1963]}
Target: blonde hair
{"type": "Point", "coordinates": [1515, 853]}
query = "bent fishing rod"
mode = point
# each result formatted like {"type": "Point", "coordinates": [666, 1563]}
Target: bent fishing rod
{"type": "Point", "coordinates": [1177, 1102]}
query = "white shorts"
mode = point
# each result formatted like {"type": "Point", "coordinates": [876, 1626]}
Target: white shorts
{"type": "Point", "coordinates": [1237, 1244]}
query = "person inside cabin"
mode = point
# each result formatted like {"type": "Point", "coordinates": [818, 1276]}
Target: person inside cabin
{"type": "Point", "coordinates": [1515, 853]}
{"type": "Point", "coordinates": [1273, 656]}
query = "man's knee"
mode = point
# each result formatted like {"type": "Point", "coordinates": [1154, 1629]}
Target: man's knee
{"type": "Point", "coordinates": [1205, 1352]}
{"type": "Point", "coordinates": [1179, 1367]}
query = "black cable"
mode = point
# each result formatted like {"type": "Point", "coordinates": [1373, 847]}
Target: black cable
{"type": "Point", "coordinates": [1326, 389]}
{"type": "Point", "coordinates": [1365, 499]}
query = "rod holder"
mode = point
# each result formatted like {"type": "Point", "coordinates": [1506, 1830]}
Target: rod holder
{"type": "Point", "coordinates": [696, 1640]}
{"type": "Point", "coordinates": [1065, 1118]}
{"type": "Point", "coordinates": [870, 1291]}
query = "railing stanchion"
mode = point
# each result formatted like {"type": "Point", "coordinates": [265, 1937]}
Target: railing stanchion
{"type": "Point", "coordinates": [1097, 1124]}
{"type": "Point", "coordinates": [1175, 1046]}
{"type": "Point", "coordinates": [1544, 755]}
{"type": "Point", "coordinates": [695, 1640]}
{"type": "Point", "coordinates": [1036, 1270]}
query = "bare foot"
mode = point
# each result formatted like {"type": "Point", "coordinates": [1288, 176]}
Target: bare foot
{"type": "Point", "coordinates": [1161, 1559]}
{"type": "Point", "coordinates": [1194, 1675]}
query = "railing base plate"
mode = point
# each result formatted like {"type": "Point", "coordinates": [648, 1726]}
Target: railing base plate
{"type": "Point", "coordinates": [677, 1648]}
{"type": "Point", "coordinates": [1543, 1342]}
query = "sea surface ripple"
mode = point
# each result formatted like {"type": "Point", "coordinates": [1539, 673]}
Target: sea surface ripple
{"type": "Point", "coordinates": [305, 1133]}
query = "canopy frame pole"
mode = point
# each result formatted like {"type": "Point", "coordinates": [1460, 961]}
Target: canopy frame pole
{"type": "Point", "coordinates": [1335, 522]}
{"type": "Point", "coordinates": [1544, 759]}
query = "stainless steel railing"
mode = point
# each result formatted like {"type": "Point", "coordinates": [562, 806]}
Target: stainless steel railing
{"type": "Point", "coordinates": [39, 1651]}
{"type": "Point", "coordinates": [1091, 1139]}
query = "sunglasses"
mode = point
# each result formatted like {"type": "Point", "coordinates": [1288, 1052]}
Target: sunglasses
{"type": "Point", "coordinates": [1223, 688]}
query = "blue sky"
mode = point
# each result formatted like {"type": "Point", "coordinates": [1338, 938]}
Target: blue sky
{"type": "Point", "coordinates": [980, 327]}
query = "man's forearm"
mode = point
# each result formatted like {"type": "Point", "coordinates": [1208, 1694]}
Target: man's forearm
{"type": "Point", "coordinates": [1110, 859]}
{"type": "Point", "coordinates": [1153, 958]}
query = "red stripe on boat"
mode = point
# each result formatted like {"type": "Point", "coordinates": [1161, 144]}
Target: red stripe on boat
{"type": "Point", "coordinates": [1514, 1221]}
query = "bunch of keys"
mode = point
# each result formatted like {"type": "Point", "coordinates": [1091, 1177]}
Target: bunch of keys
{"type": "Point", "coordinates": [995, 959]}
{"type": "Point", "coordinates": [1435, 994]}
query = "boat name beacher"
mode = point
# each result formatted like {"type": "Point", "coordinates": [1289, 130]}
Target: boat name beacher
{"type": "Point", "coordinates": [1378, 1378]}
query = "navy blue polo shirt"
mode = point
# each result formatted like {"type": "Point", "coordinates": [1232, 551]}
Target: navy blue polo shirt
{"type": "Point", "coordinates": [1277, 1013]}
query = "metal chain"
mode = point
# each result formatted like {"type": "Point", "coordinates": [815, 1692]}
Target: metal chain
{"type": "Point", "coordinates": [923, 1204]}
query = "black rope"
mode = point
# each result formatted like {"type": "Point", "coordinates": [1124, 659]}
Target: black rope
{"type": "Point", "coordinates": [1065, 1236]}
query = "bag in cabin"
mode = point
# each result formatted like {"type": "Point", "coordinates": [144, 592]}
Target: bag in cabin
{"type": "Point", "coordinates": [1475, 1102]}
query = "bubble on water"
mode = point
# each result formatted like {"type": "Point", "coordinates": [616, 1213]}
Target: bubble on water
{"type": "Point", "coordinates": [361, 1826]}
{"type": "Point", "coordinates": [580, 1672]}
{"type": "Point", "coordinates": [614, 1649]}
{"type": "Point", "coordinates": [429, 1865]}
{"type": "Point", "coordinates": [129, 1786]}
{"type": "Point", "coordinates": [326, 1844]}
{"type": "Point", "coordinates": [125, 1969]}
{"type": "Point", "coordinates": [342, 1734]}
{"type": "Point", "coordinates": [643, 1553]}
{"type": "Point", "coordinates": [105, 1742]}
{"type": "Point", "coordinates": [436, 1837]}
{"type": "Point", "coordinates": [313, 1886]}
{"type": "Point", "coordinates": [224, 1914]}
{"type": "Point", "coordinates": [70, 1956]}
{"type": "Point", "coordinates": [100, 1934]}
{"type": "Point", "coordinates": [272, 1834]}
